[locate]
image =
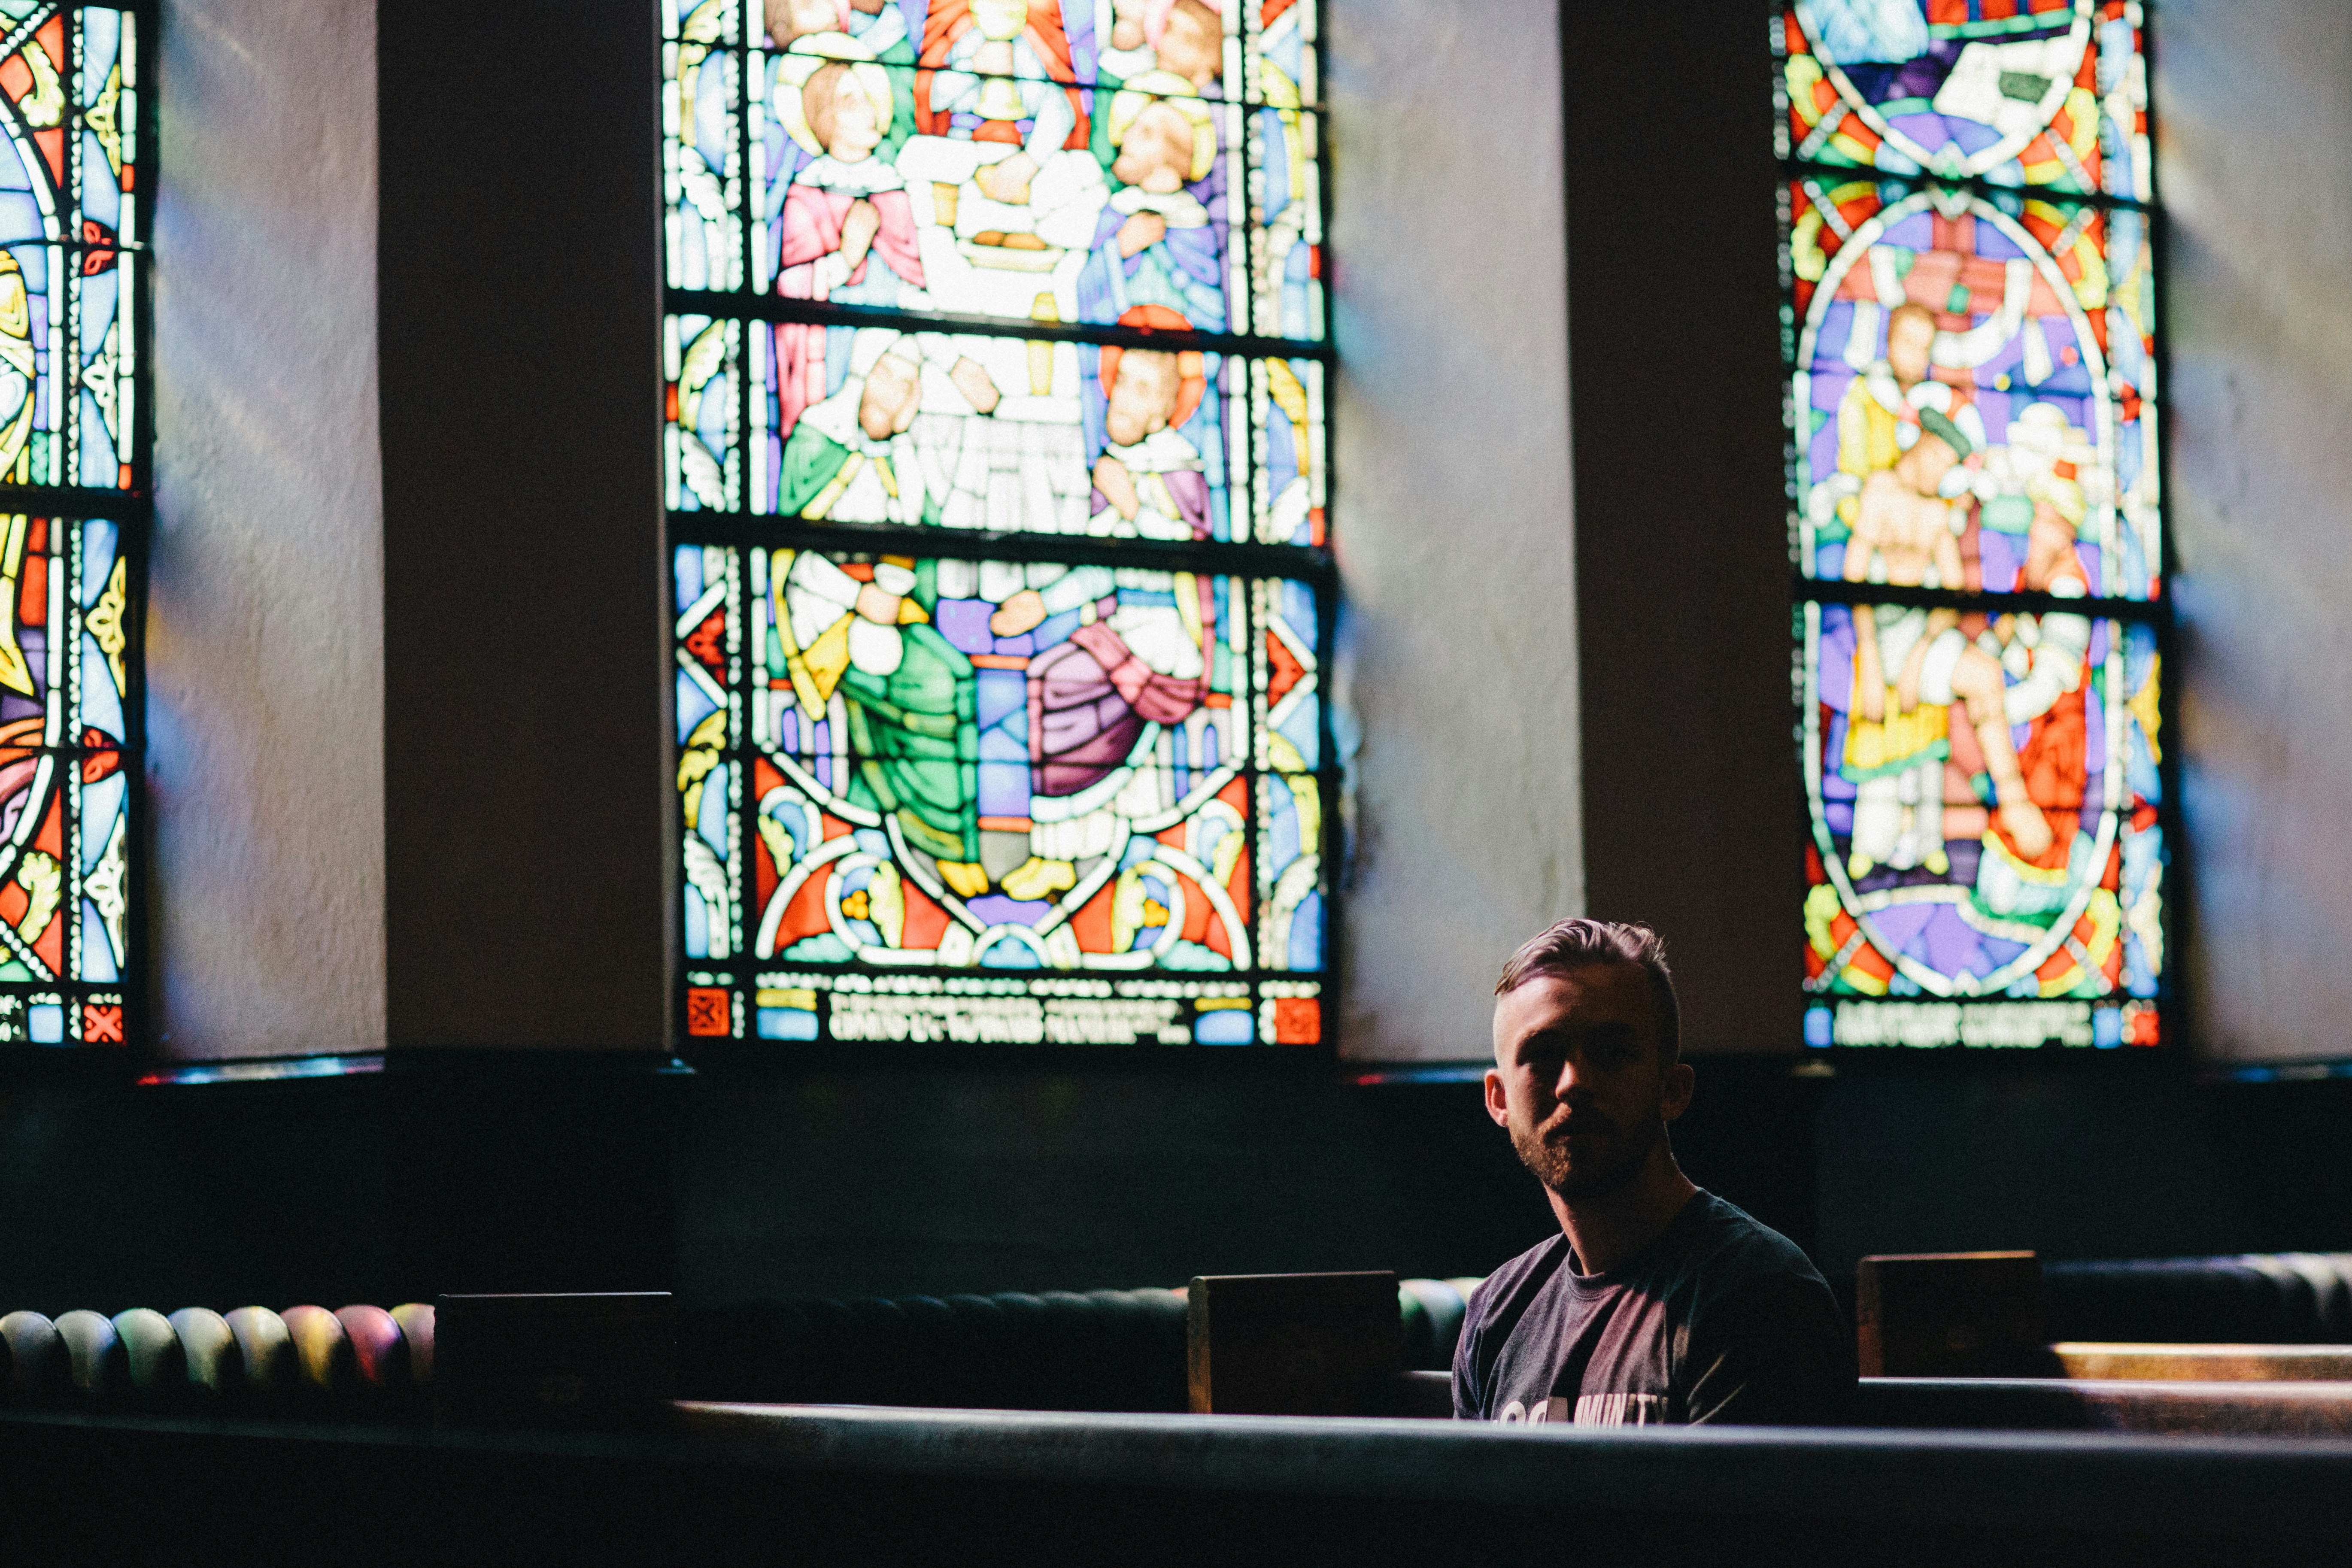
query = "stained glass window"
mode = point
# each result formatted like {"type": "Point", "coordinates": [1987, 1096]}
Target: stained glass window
{"type": "Point", "coordinates": [1970, 320]}
{"type": "Point", "coordinates": [996, 473]}
{"type": "Point", "coordinates": [74, 422]}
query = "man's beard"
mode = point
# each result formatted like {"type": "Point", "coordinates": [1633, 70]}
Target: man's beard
{"type": "Point", "coordinates": [1610, 1157]}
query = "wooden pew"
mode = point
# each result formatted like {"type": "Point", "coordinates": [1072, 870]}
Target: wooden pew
{"type": "Point", "coordinates": [1293, 1344]}
{"type": "Point", "coordinates": [1954, 1339]}
{"type": "Point", "coordinates": [867, 1485]}
{"type": "Point", "coordinates": [2205, 1363]}
{"type": "Point", "coordinates": [2171, 1408]}
{"type": "Point", "coordinates": [1949, 1314]}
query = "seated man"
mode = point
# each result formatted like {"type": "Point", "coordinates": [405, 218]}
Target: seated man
{"type": "Point", "coordinates": [1657, 1302]}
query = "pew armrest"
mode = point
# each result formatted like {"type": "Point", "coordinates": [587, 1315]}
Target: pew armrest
{"type": "Point", "coordinates": [2093, 1360]}
{"type": "Point", "coordinates": [2162, 1408]}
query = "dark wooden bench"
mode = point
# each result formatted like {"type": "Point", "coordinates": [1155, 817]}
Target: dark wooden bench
{"type": "Point", "coordinates": [905, 1486]}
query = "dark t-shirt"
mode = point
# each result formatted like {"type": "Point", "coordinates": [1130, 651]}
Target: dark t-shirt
{"type": "Point", "coordinates": [1720, 1319]}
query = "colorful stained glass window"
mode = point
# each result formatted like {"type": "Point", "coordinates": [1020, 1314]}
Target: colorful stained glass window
{"type": "Point", "coordinates": [995, 456]}
{"type": "Point", "coordinates": [1970, 321]}
{"type": "Point", "coordinates": [74, 422]}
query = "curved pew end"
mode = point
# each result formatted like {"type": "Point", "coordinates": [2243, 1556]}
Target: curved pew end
{"type": "Point", "coordinates": [154, 1365]}
{"type": "Point", "coordinates": [94, 1359]}
{"type": "Point", "coordinates": [211, 1353]}
{"type": "Point", "coordinates": [416, 1320]}
{"type": "Point", "coordinates": [37, 1359]}
{"type": "Point", "coordinates": [323, 1364]}
{"type": "Point", "coordinates": [267, 1351]}
{"type": "Point", "coordinates": [379, 1354]}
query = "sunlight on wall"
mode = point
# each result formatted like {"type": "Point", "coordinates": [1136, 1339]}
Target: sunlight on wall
{"type": "Point", "coordinates": [2254, 102]}
{"type": "Point", "coordinates": [1458, 638]}
{"type": "Point", "coordinates": [266, 626]}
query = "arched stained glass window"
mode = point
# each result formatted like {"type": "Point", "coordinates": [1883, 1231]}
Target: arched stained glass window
{"type": "Point", "coordinates": [996, 483]}
{"type": "Point", "coordinates": [1970, 322]}
{"type": "Point", "coordinates": [74, 483]}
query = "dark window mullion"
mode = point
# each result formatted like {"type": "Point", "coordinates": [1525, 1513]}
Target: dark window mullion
{"type": "Point", "coordinates": [1210, 555]}
{"type": "Point", "coordinates": [1975, 185]}
{"type": "Point", "coordinates": [823, 313]}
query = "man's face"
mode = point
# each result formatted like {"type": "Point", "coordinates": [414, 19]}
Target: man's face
{"type": "Point", "coordinates": [1577, 1079]}
{"type": "Point", "coordinates": [888, 405]}
{"type": "Point", "coordinates": [1909, 340]}
{"type": "Point", "coordinates": [1143, 396]}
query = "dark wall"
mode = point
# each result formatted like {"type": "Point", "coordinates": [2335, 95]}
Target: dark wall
{"type": "Point", "coordinates": [465, 1171]}
{"type": "Point", "coordinates": [1692, 795]}
{"type": "Point", "coordinates": [447, 1173]}
{"type": "Point", "coordinates": [934, 1180]}
{"type": "Point", "coordinates": [2083, 1164]}
{"type": "Point", "coordinates": [451, 1171]}
{"type": "Point", "coordinates": [526, 890]}
{"type": "Point", "coordinates": [114, 1198]}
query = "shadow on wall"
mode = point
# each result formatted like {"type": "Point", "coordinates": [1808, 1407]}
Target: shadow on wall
{"type": "Point", "coordinates": [2081, 1165]}
{"type": "Point", "coordinates": [908, 1181]}
{"type": "Point", "coordinates": [884, 1181]}
{"type": "Point", "coordinates": [742, 1183]}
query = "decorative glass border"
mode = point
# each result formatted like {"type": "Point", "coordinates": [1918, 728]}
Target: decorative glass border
{"type": "Point", "coordinates": [1233, 489]}
{"type": "Point", "coordinates": [76, 193]}
{"type": "Point", "coordinates": [2040, 204]}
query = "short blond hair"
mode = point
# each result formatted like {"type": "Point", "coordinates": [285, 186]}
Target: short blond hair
{"type": "Point", "coordinates": [1579, 944]}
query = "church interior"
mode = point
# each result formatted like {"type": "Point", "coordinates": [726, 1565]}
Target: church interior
{"type": "Point", "coordinates": [800, 735]}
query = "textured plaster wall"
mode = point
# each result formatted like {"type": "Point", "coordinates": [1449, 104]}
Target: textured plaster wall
{"type": "Point", "coordinates": [265, 621]}
{"type": "Point", "coordinates": [1450, 509]}
{"type": "Point", "coordinates": [2253, 100]}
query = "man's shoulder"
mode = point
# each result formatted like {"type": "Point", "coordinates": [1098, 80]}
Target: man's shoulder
{"type": "Point", "coordinates": [1729, 1247]}
{"type": "Point", "coordinates": [1505, 1282]}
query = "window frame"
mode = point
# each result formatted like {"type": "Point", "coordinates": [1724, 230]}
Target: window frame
{"type": "Point", "coordinates": [1811, 594]}
{"type": "Point", "coordinates": [98, 1013]}
{"type": "Point", "coordinates": [741, 529]}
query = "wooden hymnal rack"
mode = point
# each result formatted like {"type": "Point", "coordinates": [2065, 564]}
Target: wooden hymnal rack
{"type": "Point", "coordinates": [1951, 1314]}
{"type": "Point", "coordinates": [1293, 1344]}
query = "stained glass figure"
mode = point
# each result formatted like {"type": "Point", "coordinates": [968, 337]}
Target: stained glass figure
{"type": "Point", "coordinates": [2026, 326]}
{"type": "Point", "coordinates": [1986, 823]}
{"type": "Point", "coordinates": [1055, 161]}
{"type": "Point", "coordinates": [1059, 775]}
{"type": "Point", "coordinates": [1969, 318]}
{"type": "Point", "coordinates": [892, 425]}
{"type": "Point", "coordinates": [73, 511]}
{"type": "Point", "coordinates": [997, 475]}
{"type": "Point", "coordinates": [1129, 209]}
{"type": "Point", "coordinates": [984, 432]}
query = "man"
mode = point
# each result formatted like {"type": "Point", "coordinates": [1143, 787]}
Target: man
{"type": "Point", "coordinates": [1657, 1302]}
